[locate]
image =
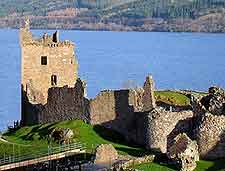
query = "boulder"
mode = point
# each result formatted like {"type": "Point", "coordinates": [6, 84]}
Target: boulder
{"type": "Point", "coordinates": [184, 152]}
{"type": "Point", "coordinates": [62, 135]}
{"type": "Point", "coordinates": [105, 155]}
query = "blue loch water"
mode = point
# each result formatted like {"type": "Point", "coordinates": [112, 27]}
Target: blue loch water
{"type": "Point", "coordinates": [107, 60]}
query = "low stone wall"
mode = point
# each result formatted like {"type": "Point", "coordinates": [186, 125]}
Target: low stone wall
{"type": "Point", "coordinates": [211, 137]}
{"type": "Point", "coordinates": [63, 103]}
{"type": "Point", "coordinates": [164, 126]}
{"type": "Point", "coordinates": [138, 161]}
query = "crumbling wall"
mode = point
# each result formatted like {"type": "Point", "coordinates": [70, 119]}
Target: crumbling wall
{"type": "Point", "coordinates": [116, 110]}
{"type": "Point", "coordinates": [211, 136]}
{"type": "Point", "coordinates": [63, 103]}
{"type": "Point", "coordinates": [163, 126]}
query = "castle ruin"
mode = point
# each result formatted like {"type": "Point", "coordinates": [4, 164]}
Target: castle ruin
{"type": "Point", "coordinates": [52, 91]}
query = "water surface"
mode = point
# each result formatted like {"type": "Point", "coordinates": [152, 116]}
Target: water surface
{"type": "Point", "coordinates": [109, 59]}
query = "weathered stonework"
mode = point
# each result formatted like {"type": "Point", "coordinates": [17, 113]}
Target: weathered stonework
{"type": "Point", "coordinates": [163, 126]}
{"type": "Point", "coordinates": [184, 151]}
{"type": "Point", "coordinates": [116, 110]}
{"type": "Point", "coordinates": [211, 137]}
{"type": "Point", "coordinates": [50, 90]}
{"type": "Point", "coordinates": [38, 73]}
{"type": "Point", "coordinates": [105, 155]}
{"type": "Point", "coordinates": [215, 101]}
{"type": "Point", "coordinates": [148, 96]}
{"type": "Point", "coordinates": [63, 103]}
{"type": "Point", "coordinates": [209, 127]}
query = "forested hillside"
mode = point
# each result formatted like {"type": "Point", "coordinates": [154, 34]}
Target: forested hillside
{"type": "Point", "coordinates": [126, 15]}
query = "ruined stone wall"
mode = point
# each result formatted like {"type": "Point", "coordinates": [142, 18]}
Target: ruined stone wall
{"type": "Point", "coordinates": [118, 110]}
{"type": "Point", "coordinates": [211, 136]}
{"type": "Point", "coordinates": [163, 126]}
{"type": "Point", "coordinates": [64, 103]}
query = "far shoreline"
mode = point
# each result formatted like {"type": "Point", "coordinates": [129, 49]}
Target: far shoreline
{"type": "Point", "coordinates": [117, 31]}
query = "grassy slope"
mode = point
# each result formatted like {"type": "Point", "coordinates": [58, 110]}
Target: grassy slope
{"type": "Point", "coordinates": [218, 165]}
{"type": "Point", "coordinates": [153, 167]}
{"type": "Point", "coordinates": [172, 98]}
{"type": "Point", "coordinates": [37, 138]}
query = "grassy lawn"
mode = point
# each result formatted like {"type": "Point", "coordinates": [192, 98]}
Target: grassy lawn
{"type": "Point", "coordinates": [33, 139]}
{"type": "Point", "coordinates": [154, 167]}
{"type": "Point", "coordinates": [172, 98]}
{"type": "Point", "coordinates": [218, 165]}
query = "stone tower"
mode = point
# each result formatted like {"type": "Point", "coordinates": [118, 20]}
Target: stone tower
{"type": "Point", "coordinates": [46, 62]}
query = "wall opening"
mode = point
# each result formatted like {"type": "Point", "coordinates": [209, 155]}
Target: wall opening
{"type": "Point", "coordinates": [53, 80]}
{"type": "Point", "coordinates": [44, 60]}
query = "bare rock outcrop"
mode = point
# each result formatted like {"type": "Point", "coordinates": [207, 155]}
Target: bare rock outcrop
{"type": "Point", "coordinates": [105, 155]}
{"type": "Point", "coordinates": [185, 152]}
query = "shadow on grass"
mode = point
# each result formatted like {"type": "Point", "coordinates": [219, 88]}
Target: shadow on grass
{"type": "Point", "coordinates": [110, 135]}
{"type": "Point", "coordinates": [218, 165]}
{"type": "Point", "coordinates": [137, 152]}
{"type": "Point", "coordinates": [163, 160]}
{"type": "Point", "coordinates": [120, 142]}
{"type": "Point", "coordinates": [39, 132]}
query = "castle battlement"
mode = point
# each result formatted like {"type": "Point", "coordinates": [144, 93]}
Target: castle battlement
{"type": "Point", "coordinates": [27, 39]}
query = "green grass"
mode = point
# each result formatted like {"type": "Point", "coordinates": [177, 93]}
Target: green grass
{"type": "Point", "coordinates": [172, 98]}
{"type": "Point", "coordinates": [218, 165]}
{"type": "Point", "coordinates": [35, 138]}
{"type": "Point", "coordinates": [153, 167]}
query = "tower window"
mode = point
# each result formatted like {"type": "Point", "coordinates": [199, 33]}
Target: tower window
{"type": "Point", "coordinates": [44, 60]}
{"type": "Point", "coordinates": [54, 80]}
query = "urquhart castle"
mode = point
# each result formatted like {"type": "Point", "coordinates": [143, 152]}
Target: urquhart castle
{"type": "Point", "coordinates": [52, 91]}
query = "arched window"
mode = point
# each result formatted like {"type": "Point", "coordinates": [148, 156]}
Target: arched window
{"type": "Point", "coordinates": [53, 80]}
